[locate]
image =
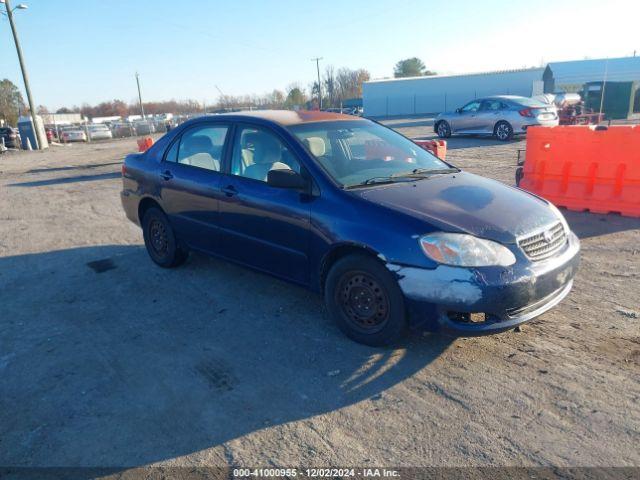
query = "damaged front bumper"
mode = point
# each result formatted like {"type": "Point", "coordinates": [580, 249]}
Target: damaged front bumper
{"type": "Point", "coordinates": [485, 300]}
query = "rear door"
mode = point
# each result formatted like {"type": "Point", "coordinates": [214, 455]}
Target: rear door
{"type": "Point", "coordinates": [190, 179]}
{"type": "Point", "coordinates": [491, 112]}
{"type": "Point", "coordinates": [263, 226]}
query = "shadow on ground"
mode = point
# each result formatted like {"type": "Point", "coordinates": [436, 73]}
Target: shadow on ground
{"type": "Point", "coordinates": [587, 224]}
{"type": "Point", "coordinates": [133, 364]}
{"type": "Point", "coordinates": [65, 180]}
{"type": "Point", "coordinates": [73, 167]}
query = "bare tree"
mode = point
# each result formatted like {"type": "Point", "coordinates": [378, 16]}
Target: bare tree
{"type": "Point", "coordinates": [330, 85]}
{"type": "Point", "coordinates": [349, 83]}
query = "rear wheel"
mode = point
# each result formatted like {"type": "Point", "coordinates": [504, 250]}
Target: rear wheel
{"type": "Point", "coordinates": [443, 129]}
{"type": "Point", "coordinates": [365, 301]}
{"type": "Point", "coordinates": [160, 240]}
{"type": "Point", "coordinates": [503, 131]}
{"type": "Point", "coordinates": [519, 175]}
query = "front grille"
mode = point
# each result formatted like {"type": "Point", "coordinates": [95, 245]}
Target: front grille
{"type": "Point", "coordinates": [544, 244]}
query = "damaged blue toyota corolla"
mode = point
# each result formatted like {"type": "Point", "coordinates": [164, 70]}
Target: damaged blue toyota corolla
{"type": "Point", "coordinates": [390, 235]}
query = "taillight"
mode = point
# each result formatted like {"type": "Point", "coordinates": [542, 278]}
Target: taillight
{"type": "Point", "coordinates": [527, 112]}
{"type": "Point", "coordinates": [124, 169]}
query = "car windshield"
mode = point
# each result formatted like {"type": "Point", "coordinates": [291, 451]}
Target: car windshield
{"type": "Point", "coordinates": [357, 153]}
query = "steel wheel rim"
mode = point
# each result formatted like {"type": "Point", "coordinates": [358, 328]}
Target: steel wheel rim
{"type": "Point", "coordinates": [442, 130]}
{"type": "Point", "coordinates": [363, 302]}
{"type": "Point", "coordinates": [158, 237]}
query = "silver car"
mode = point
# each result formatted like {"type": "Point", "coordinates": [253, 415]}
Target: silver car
{"type": "Point", "coordinates": [501, 116]}
{"type": "Point", "coordinates": [99, 132]}
{"type": "Point", "coordinates": [74, 134]}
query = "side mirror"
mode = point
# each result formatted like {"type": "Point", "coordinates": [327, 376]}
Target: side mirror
{"type": "Point", "coordinates": [286, 179]}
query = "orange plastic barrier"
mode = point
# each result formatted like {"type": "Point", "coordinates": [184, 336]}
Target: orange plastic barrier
{"type": "Point", "coordinates": [584, 168]}
{"type": "Point", "coordinates": [437, 147]}
{"type": "Point", "coordinates": [144, 144]}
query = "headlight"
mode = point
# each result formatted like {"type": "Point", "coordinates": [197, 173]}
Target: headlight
{"type": "Point", "coordinates": [463, 250]}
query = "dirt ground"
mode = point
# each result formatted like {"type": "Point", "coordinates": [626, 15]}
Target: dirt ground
{"type": "Point", "coordinates": [120, 363]}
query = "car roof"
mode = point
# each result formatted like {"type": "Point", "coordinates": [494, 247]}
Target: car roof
{"type": "Point", "coordinates": [503, 97]}
{"type": "Point", "coordinates": [287, 117]}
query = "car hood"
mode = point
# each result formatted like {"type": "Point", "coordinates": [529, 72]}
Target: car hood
{"type": "Point", "coordinates": [465, 202]}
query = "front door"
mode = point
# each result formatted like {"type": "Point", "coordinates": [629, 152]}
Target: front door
{"type": "Point", "coordinates": [190, 179]}
{"type": "Point", "coordinates": [466, 119]}
{"type": "Point", "coordinates": [263, 226]}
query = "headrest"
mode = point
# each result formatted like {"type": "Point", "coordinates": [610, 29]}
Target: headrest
{"type": "Point", "coordinates": [316, 146]}
{"type": "Point", "coordinates": [199, 144]}
{"type": "Point", "coordinates": [265, 147]}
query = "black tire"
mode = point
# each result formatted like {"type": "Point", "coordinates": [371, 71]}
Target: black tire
{"type": "Point", "coordinates": [443, 129]}
{"type": "Point", "coordinates": [519, 175]}
{"type": "Point", "coordinates": [160, 240]}
{"type": "Point", "coordinates": [365, 301]}
{"type": "Point", "coordinates": [503, 131]}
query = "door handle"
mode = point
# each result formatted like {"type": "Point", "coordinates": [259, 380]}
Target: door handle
{"type": "Point", "coordinates": [229, 190]}
{"type": "Point", "coordinates": [166, 175]}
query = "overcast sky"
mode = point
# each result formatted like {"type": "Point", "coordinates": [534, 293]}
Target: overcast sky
{"type": "Point", "coordinates": [80, 51]}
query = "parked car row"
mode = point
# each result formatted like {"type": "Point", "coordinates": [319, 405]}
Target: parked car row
{"type": "Point", "coordinates": [356, 111]}
{"type": "Point", "coordinates": [102, 131]}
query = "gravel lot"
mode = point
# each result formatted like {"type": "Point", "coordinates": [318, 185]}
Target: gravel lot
{"type": "Point", "coordinates": [120, 363]}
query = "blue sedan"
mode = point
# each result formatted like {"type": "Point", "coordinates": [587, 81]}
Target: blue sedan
{"type": "Point", "coordinates": [392, 237]}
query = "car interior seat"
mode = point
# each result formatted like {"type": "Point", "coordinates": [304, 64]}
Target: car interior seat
{"type": "Point", "coordinates": [267, 155]}
{"type": "Point", "coordinates": [197, 152]}
{"type": "Point", "coordinates": [318, 148]}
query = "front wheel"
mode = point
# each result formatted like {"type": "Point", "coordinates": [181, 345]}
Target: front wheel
{"type": "Point", "coordinates": [503, 131]}
{"type": "Point", "coordinates": [160, 240]}
{"type": "Point", "coordinates": [365, 301]}
{"type": "Point", "coordinates": [444, 129]}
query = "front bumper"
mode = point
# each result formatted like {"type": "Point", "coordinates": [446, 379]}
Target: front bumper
{"type": "Point", "coordinates": [441, 299]}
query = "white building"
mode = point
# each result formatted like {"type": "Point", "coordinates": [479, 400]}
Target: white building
{"type": "Point", "coordinates": [62, 118]}
{"type": "Point", "coordinates": [422, 95]}
{"type": "Point", "coordinates": [426, 95]}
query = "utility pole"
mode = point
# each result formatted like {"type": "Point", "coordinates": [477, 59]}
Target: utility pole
{"type": "Point", "coordinates": [140, 96]}
{"type": "Point", "coordinates": [32, 106]}
{"type": "Point", "coordinates": [317, 60]}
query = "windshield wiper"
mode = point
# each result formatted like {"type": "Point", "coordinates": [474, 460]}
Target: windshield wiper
{"type": "Point", "coordinates": [426, 171]}
{"type": "Point", "coordinates": [417, 173]}
{"type": "Point", "coordinates": [379, 180]}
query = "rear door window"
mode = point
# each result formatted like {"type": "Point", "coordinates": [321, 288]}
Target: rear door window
{"type": "Point", "coordinates": [200, 147]}
{"type": "Point", "coordinates": [492, 105]}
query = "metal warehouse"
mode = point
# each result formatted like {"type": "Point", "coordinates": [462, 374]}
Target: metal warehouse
{"type": "Point", "coordinates": [571, 76]}
{"type": "Point", "coordinates": [427, 95]}
{"type": "Point", "coordinates": [420, 95]}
